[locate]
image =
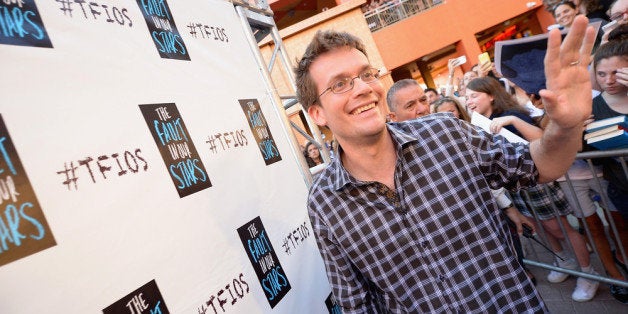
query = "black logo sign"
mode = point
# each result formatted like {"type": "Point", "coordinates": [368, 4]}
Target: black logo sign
{"type": "Point", "coordinates": [21, 25]}
{"type": "Point", "coordinates": [23, 227]}
{"type": "Point", "coordinates": [259, 127]}
{"type": "Point", "coordinates": [332, 306]}
{"type": "Point", "coordinates": [162, 29]}
{"type": "Point", "coordinates": [176, 148]}
{"type": "Point", "coordinates": [146, 299]}
{"type": "Point", "coordinates": [264, 260]}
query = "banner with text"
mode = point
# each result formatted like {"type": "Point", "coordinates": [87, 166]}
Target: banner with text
{"type": "Point", "coordinates": [140, 148]}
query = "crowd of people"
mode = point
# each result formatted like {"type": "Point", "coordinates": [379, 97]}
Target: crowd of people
{"type": "Point", "coordinates": [512, 108]}
{"type": "Point", "coordinates": [592, 9]}
{"type": "Point", "coordinates": [420, 211]}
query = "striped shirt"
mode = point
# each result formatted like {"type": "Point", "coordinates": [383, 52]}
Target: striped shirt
{"type": "Point", "coordinates": [438, 242]}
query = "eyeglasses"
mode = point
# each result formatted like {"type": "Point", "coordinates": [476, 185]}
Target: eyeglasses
{"type": "Point", "coordinates": [345, 84]}
{"type": "Point", "coordinates": [618, 16]}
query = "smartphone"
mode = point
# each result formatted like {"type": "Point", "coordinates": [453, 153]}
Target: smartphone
{"type": "Point", "coordinates": [484, 58]}
{"type": "Point", "coordinates": [460, 61]}
{"type": "Point", "coordinates": [609, 26]}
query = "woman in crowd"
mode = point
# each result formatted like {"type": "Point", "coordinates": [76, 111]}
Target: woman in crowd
{"type": "Point", "coordinates": [593, 9]}
{"type": "Point", "coordinates": [466, 78]}
{"type": "Point", "coordinates": [611, 72]}
{"type": "Point", "coordinates": [449, 104]}
{"type": "Point", "coordinates": [487, 97]}
{"type": "Point", "coordinates": [312, 155]}
{"type": "Point", "coordinates": [565, 12]}
{"type": "Point", "coordinates": [609, 62]}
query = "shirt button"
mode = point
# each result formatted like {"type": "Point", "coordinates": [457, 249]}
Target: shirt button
{"type": "Point", "coordinates": [424, 244]}
{"type": "Point", "coordinates": [441, 278]}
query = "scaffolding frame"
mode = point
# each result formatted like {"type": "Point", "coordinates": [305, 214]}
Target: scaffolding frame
{"type": "Point", "coordinates": [257, 22]}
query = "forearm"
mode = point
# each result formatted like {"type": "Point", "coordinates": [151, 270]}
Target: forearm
{"type": "Point", "coordinates": [555, 151]}
{"type": "Point", "coordinates": [529, 131]}
{"type": "Point", "coordinates": [567, 99]}
{"type": "Point", "coordinates": [449, 91]}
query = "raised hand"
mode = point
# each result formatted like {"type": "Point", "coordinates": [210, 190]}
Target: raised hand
{"type": "Point", "coordinates": [622, 76]}
{"type": "Point", "coordinates": [567, 98]}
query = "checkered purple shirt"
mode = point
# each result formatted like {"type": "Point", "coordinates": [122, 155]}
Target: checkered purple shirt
{"type": "Point", "coordinates": [438, 242]}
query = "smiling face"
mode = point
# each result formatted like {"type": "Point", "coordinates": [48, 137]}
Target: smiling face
{"type": "Point", "coordinates": [605, 74]}
{"type": "Point", "coordinates": [410, 103]}
{"type": "Point", "coordinates": [479, 102]}
{"type": "Point", "coordinates": [355, 114]}
{"type": "Point", "coordinates": [565, 14]}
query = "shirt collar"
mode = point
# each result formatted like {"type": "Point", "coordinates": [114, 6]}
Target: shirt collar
{"type": "Point", "coordinates": [400, 135]}
{"type": "Point", "coordinates": [341, 177]}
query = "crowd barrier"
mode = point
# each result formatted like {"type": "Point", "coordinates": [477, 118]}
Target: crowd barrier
{"type": "Point", "coordinates": [611, 229]}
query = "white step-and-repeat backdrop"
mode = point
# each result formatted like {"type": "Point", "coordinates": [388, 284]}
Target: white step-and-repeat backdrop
{"type": "Point", "coordinates": [143, 168]}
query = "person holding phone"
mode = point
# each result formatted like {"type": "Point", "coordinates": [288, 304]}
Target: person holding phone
{"type": "Point", "coordinates": [619, 12]}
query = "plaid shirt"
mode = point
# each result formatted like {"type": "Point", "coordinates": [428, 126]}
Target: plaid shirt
{"type": "Point", "coordinates": [438, 242]}
{"type": "Point", "coordinates": [544, 203]}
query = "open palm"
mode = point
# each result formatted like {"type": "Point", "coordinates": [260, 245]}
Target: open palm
{"type": "Point", "coordinates": [567, 98]}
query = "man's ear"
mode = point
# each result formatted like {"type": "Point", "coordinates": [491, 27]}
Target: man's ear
{"type": "Point", "coordinates": [318, 114]}
{"type": "Point", "coordinates": [392, 117]}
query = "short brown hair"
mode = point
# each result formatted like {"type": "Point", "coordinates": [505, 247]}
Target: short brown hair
{"type": "Point", "coordinates": [323, 41]}
{"type": "Point", "coordinates": [613, 48]}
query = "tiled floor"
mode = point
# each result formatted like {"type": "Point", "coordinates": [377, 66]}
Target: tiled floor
{"type": "Point", "coordinates": [558, 296]}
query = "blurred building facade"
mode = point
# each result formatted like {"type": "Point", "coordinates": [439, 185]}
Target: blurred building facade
{"type": "Point", "coordinates": [408, 38]}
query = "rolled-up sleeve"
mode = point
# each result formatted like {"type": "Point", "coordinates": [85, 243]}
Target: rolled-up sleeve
{"type": "Point", "coordinates": [503, 164]}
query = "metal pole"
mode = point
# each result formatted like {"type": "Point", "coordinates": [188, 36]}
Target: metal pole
{"type": "Point", "coordinates": [316, 132]}
{"type": "Point", "coordinates": [276, 100]}
{"type": "Point", "coordinates": [577, 273]}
